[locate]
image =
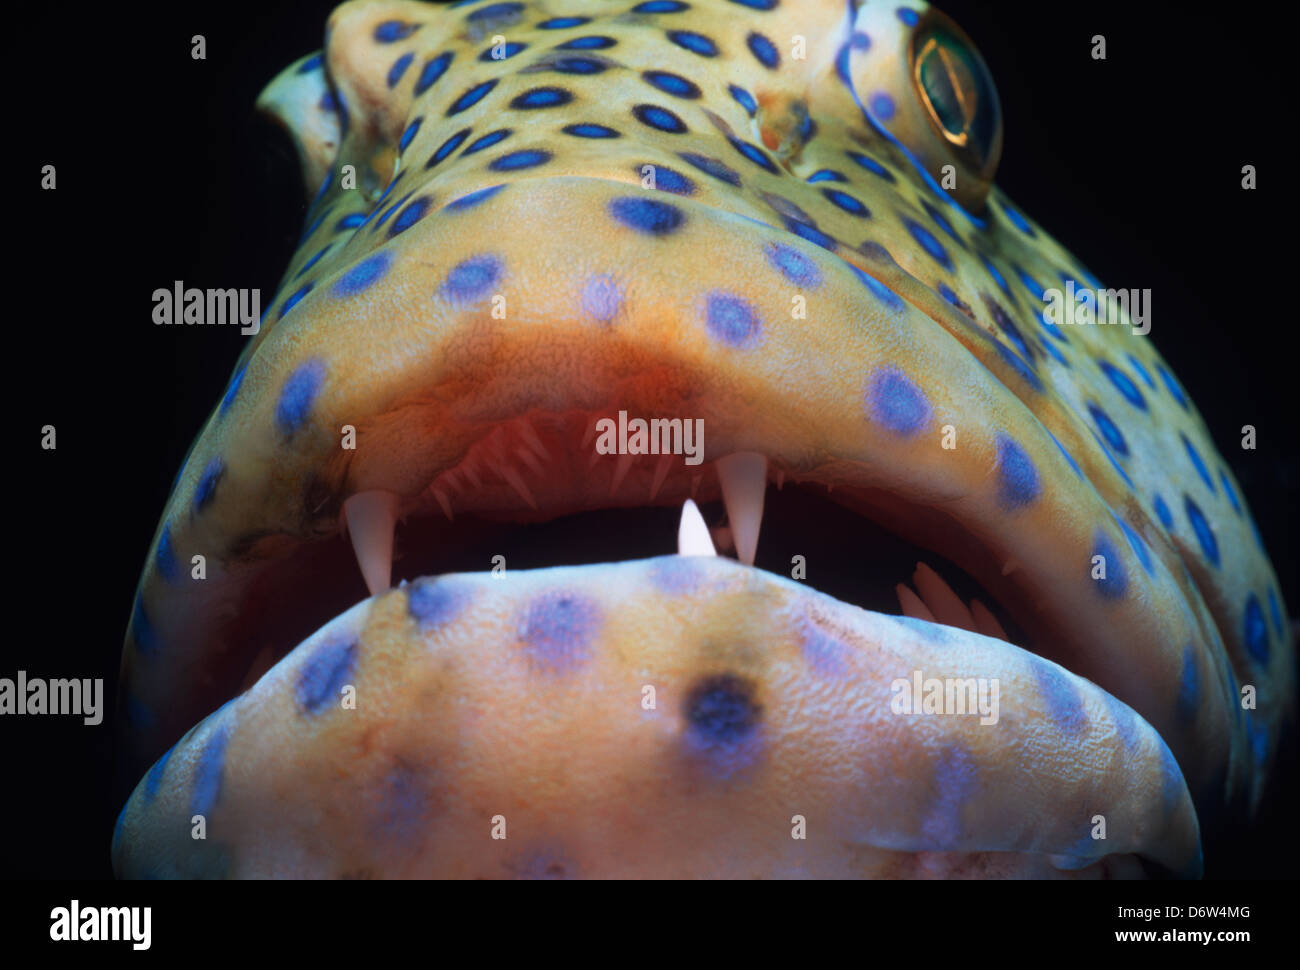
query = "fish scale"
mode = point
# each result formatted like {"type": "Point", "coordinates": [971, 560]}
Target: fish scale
{"type": "Point", "coordinates": [621, 210]}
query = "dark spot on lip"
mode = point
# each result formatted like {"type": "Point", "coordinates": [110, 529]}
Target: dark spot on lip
{"type": "Point", "coordinates": [722, 710]}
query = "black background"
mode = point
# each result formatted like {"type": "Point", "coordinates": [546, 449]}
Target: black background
{"type": "Point", "coordinates": [165, 173]}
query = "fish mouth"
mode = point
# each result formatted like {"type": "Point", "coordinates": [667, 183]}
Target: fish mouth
{"type": "Point", "coordinates": [487, 461]}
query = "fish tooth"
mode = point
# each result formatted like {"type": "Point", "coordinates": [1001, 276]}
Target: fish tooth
{"type": "Point", "coordinates": [911, 603]}
{"type": "Point", "coordinates": [693, 535]}
{"type": "Point", "coordinates": [471, 472]}
{"type": "Point", "coordinates": [985, 622]}
{"type": "Point", "coordinates": [743, 477]}
{"type": "Point", "coordinates": [530, 437]}
{"type": "Point", "coordinates": [516, 481]}
{"type": "Point", "coordinates": [939, 597]}
{"type": "Point", "coordinates": [445, 503]}
{"type": "Point", "coordinates": [780, 479]}
{"type": "Point", "coordinates": [371, 516]}
{"type": "Point", "coordinates": [723, 539]}
{"type": "Point", "coordinates": [529, 459]}
{"type": "Point", "coordinates": [661, 472]}
{"type": "Point", "coordinates": [620, 472]}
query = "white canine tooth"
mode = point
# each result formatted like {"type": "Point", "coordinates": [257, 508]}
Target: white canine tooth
{"type": "Point", "coordinates": [515, 481]}
{"type": "Point", "coordinates": [371, 516]}
{"type": "Point", "coordinates": [620, 472]}
{"type": "Point", "coordinates": [529, 459]}
{"type": "Point", "coordinates": [530, 437]}
{"type": "Point", "coordinates": [661, 472]}
{"type": "Point", "coordinates": [693, 535]}
{"type": "Point", "coordinates": [985, 622]}
{"type": "Point", "coordinates": [911, 604]}
{"type": "Point", "coordinates": [939, 597]}
{"type": "Point", "coordinates": [743, 477]}
{"type": "Point", "coordinates": [445, 503]}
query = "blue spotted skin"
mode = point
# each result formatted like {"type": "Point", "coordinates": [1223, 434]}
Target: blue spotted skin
{"type": "Point", "coordinates": [653, 211]}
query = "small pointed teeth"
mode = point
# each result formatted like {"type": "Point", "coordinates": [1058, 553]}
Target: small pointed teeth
{"type": "Point", "coordinates": [941, 600]}
{"type": "Point", "coordinates": [985, 622]}
{"type": "Point", "coordinates": [911, 603]}
{"type": "Point", "coordinates": [693, 535]}
{"type": "Point", "coordinates": [371, 518]}
{"type": "Point", "coordinates": [743, 477]}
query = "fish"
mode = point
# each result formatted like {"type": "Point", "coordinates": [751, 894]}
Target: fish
{"type": "Point", "coordinates": [551, 239]}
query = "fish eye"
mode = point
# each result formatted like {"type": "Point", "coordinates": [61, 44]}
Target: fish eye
{"type": "Point", "coordinates": [956, 90]}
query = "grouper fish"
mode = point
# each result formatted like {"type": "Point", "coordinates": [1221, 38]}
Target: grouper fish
{"type": "Point", "coordinates": [574, 265]}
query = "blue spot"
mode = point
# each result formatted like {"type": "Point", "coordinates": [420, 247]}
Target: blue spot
{"type": "Point", "coordinates": [558, 630]}
{"type": "Point", "coordinates": [1068, 457]}
{"type": "Point", "coordinates": [946, 292]}
{"type": "Point", "coordinates": [825, 654]}
{"type": "Point", "coordinates": [882, 106]}
{"type": "Point", "coordinates": [846, 202]}
{"type": "Point", "coordinates": [433, 69]}
{"type": "Point", "coordinates": [1189, 686]}
{"type": "Point", "coordinates": [154, 779]}
{"type": "Point", "coordinates": [409, 134]}
{"type": "Point", "coordinates": [878, 289]}
{"type": "Point", "coordinates": [1197, 463]}
{"type": "Point", "coordinates": [764, 50]}
{"type": "Point", "coordinates": [676, 575]}
{"type": "Point", "coordinates": [722, 723]}
{"type": "Point", "coordinates": [293, 299]}
{"type": "Point", "coordinates": [487, 141]}
{"type": "Point", "coordinates": [236, 380]}
{"type": "Point", "coordinates": [897, 403]}
{"type": "Point", "coordinates": [142, 631]}
{"type": "Point", "coordinates": [649, 216]}
{"type": "Point", "coordinates": [1062, 700]}
{"type": "Point", "coordinates": [409, 216]}
{"type": "Point", "coordinates": [324, 674]}
{"type": "Point", "coordinates": [1017, 220]}
{"type": "Point", "coordinates": [590, 131]}
{"type": "Point", "coordinates": [744, 99]}
{"type": "Point", "coordinates": [363, 275]}
{"type": "Point", "coordinates": [1171, 784]}
{"type": "Point", "coordinates": [661, 6]}
{"type": "Point", "coordinates": [1229, 491]}
{"type": "Point", "coordinates": [1056, 355]}
{"type": "Point", "coordinates": [208, 769]}
{"type": "Point", "coordinates": [1121, 715]}
{"type": "Point", "coordinates": [711, 166]}
{"type": "Point", "coordinates": [1114, 463]}
{"type": "Point", "coordinates": [1019, 365]}
{"type": "Point", "coordinates": [754, 154]}
{"type": "Point", "coordinates": [298, 395]}
{"type": "Point", "coordinates": [1108, 429]}
{"type": "Point", "coordinates": [931, 245]}
{"type": "Point", "coordinates": [989, 266]}
{"type": "Point", "coordinates": [384, 217]}
{"type": "Point", "coordinates": [1173, 387]}
{"type": "Point", "coordinates": [908, 17]}
{"type": "Point", "coordinates": [1255, 631]}
{"type": "Point", "coordinates": [471, 97]}
{"type": "Point", "coordinates": [433, 602]}
{"type": "Point", "coordinates": [654, 116]}
{"type": "Point", "coordinates": [601, 298]}
{"type": "Point", "coordinates": [1142, 372]}
{"type": "Point", "coordinates": [860, 41]}
{"type": "Point", "coordinates": [530, 158]}
{"type": "Point", "coordinates": [693, 42]}
{"type": "Point", "coordinates": [731, 320]}
{"type": "Point", "coordinates": [477, 197]}
{"type": "Point", "coordinates": [1162, 513]}
{"type": "Point", "coordinates": [399, 68]}
{"type": "Point", "coordinates": [311, 262]}
{"type": "Point", "coordinates": [956, 781]}
{"type": "Point", "coordinates": [504, 14]}
{"type": "Point", "coordinates": [814, 235]}
{"type": "Point", "coordinates": [1258, 732]}
{"type": "Point", "coordinates": [871, 165]}
{"type": "Point", "coordinates": [825, 175]}
{"type": "Point", "coordinates": [507, 51]}
{"type": "Point", "coordinates": [351, 221]}
{"type": "Point", "coordinates": [1275, 611]}
{"type": "Point", "coordinates": [165, 557]}
{"type": "Point", "coordinates": [561, 23]}
{"type": "Point", "coordinates": [1137, 544]}
{"type": "Point", "coordinates": [207, 486]}
{"type": "Point", "coordinates": [391, 31]}
{"type": "Point", "coordinates": [794, 265]}
{"type": "Point", "coordinates": [758, 4]}
{"type": "Point", "coordinates": [541, 98]}
{"type": "Point", "coordinates": [447, 147]}
{"type": "Point", "coordinates": [591, 43]}
{"type": "Point", "coordinates": [1018, 483]}
{"type": "Point", "coordinates": [471, 279]}
{"type": "Point", "coordinates": [310, 64]}
{"type": "Point", "coordinates": [1204, 534]}
{"type": "Point", "coordinates": [577, 65]}
{"type": "Point", "coordinates": [673, 84]}
{"type": "Point", "coordinates": [1115, 583]}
